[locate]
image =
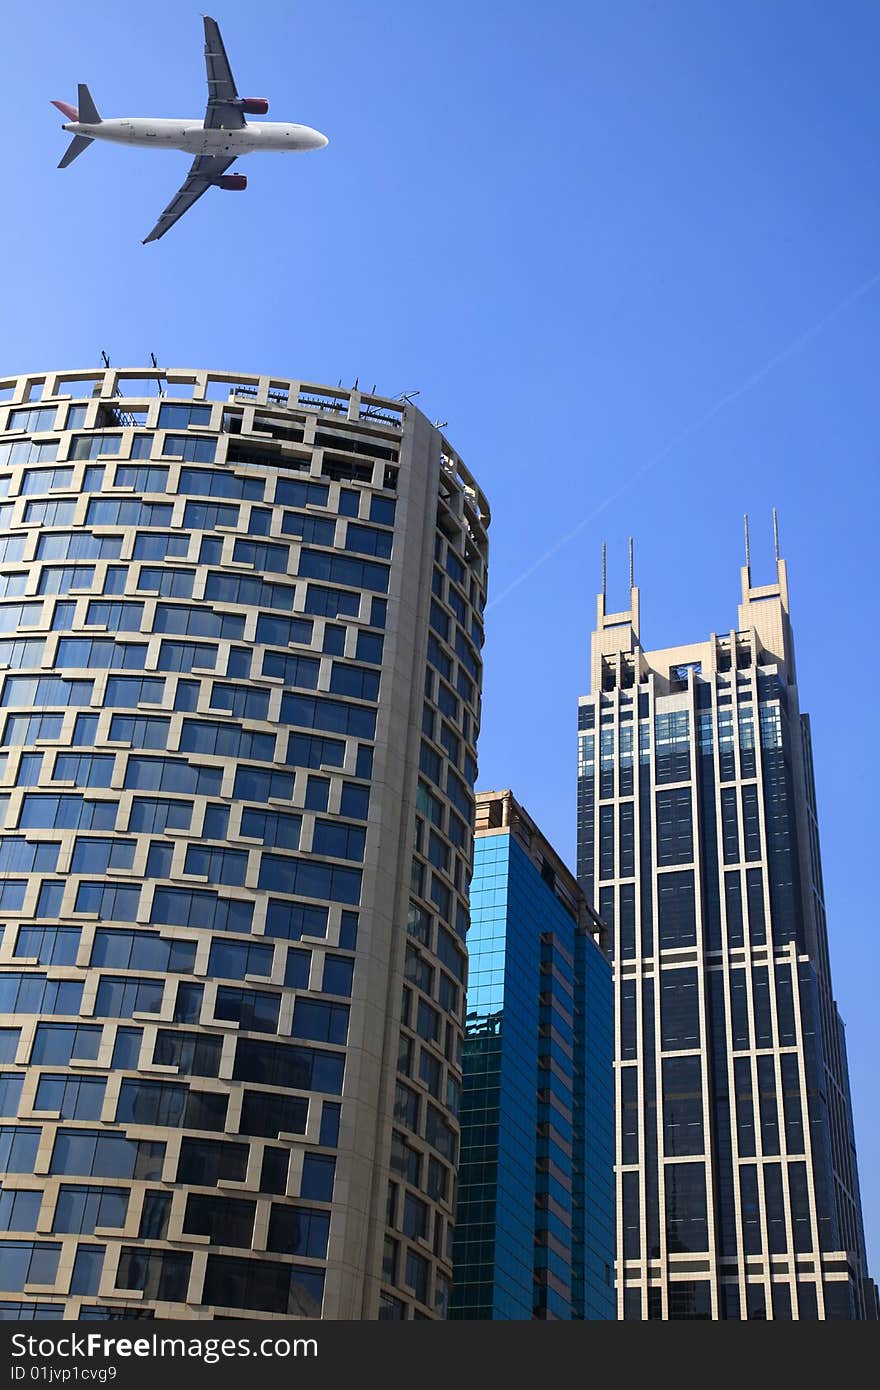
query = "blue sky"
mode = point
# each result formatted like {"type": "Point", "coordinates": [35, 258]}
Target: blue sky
{"type": "Point", "coordinates": [629, 251]}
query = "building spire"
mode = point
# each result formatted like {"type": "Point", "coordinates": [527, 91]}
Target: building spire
{"type": "Point", "coordinates": [631, 566]}
{"type": "Point", "coordinates": [604, 567]}
{"type": "Point", "coordinates": [748, 550]}
{"type": "Point", "coordinates": [775, 535]}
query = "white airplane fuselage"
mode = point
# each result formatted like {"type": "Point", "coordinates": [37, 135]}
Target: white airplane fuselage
{"type": "Point", "coordinates": [194, 138]}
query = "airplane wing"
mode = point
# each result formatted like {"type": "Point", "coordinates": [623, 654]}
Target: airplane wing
{"type": "Point", "coordinates": [224, 112]}
{"type": "Point", "coordinates": [205, 170]}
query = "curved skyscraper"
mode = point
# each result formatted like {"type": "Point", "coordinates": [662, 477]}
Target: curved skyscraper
{"type": "Point", "coordinates": [240, 650]}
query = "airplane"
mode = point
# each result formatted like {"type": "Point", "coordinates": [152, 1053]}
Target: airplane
{"type": "Point", "coordinates": [216, 142]}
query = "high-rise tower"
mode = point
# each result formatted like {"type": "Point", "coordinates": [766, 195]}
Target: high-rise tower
{"type": "Point", "coordinates": [535, 1225]}
{"type": "Point", "coordinates": [241, 630]}
{"type": "Point", "coordinates": [737, 1187]}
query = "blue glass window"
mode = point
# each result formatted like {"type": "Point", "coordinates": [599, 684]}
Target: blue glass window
{"type": "Point", "coordinates": [253, 784]}
{"type": "Point", "coordinates": [310, 879]}
{"type": "Point", "coordinates": [215, 482]}
{"type": "Point", "coordinates": [80, 1209]}
{"type": "Point", "coordinates": [100, 652]}
{"type": "Point", "coordinates": [35, 994]}
{"type": "Point", "coordinates": [75, 545]}
{"type": "Point", "coordinates": [50, 898]}
{"type": "Point", "coordinates": [226, 740]}
{"type": "Point", "coordinates": [39, 480]}
{"type": "Point", "coordinates": [170, 583]}
{"type": "Point", "coordinates": [216, 822]}
{"type": "Point", "coordinates": [295, 493]}
{"type": "Point", "coordinates": [228, 866]}
{"type": "Point", "coordinates": [49, 945]}
{"type": "Point", "coordinates": [367, 540]}
{"type": "Point", "coordinates": [274, 828]}
{"type": "Point", "coordinates": [45, 690]}
{"type": "Point", "coordinates": [342, 569]}
{"type": "Point", "coordinates": [127, 692]}
{"type": "Point", "coordinates": [291, 921]}
{"type": "Point", "coordinates": [338, 975]}
{"type": "Point", "coordinates": [11, 585]}
{"type": "Point", "coordinates": [207, 516]}
{"type": "Point", "coordinates": [116, 617]}
{"type": "Point", "coordinates": [32, 418]}
{"type": "Point", "coordinates": [240, 700]}
{"type": "Point", "coordinates": [56, 1043]}
{"type": "Point", "coordinates": [382, 510]}
{"type": "Point", "coordinates": [155, 816]}
{"type": "Point", "coordinates": [67, 811]}
{"type": "Point", "coordinates": [18, 1148]}
{"type": "Point", "coordinates": [16, 615]}
{"type": "Point", "coordinates": [193, 621]}
{"type": "Point", "coordinates": [169, 545]}
{"type": "Point", "coordinates": [181, 416]}
{"type": "Point", "coordinates": [200, 908]}
{"type": "Point", "coordinates": [84, 769]}
{"type": "Point", "coordinates": [263, 555]}
{"type": "Point", "coordinates": [140, 730]}
{"type": "Point", "coordinates": [253, 1009]}
{"type": "Point", "coordinates": [186, 656]}
{"type": "Point", "coordinates": [92, 446]}
{"type": "Point", "coordinates": [122, 996]}
{"type": "Point", "coordinates": [21, 856]}
{"type": "Point", "coordinates": [233, 960]}
{"type": "Point", "coordinates": [19, 1209]}
{"type": "Point", "coordinates": [369, 647]}
{"type": "Point", "coordinates": [338, 840]}
{"type": "Point", "coordinates": [172, 775]}
{"type": "Point", "coordinates": [248, 589]}
{"type": "Point", "coordinates": [331, 603]}
{"type": "Point", "coordinates": [346, 679]}
{"type": "Point", "coordinates": [22, 652]}
{"type": "Point", "coordinates": [113, 902]}
{"type": "Point", "coordinates": [27, 728]}
{"type": "Point", "coordinates": [190, 448]}
{"type": "Point", "coordinates": [293, 670]}
{"type": "Point", "coordinates": [93, 855]}
{"type": "Point", "coordinates": [52, 513]}
{"type": "Point", "coordinates": [73, 1097]}
{"type": "Point", "coordinates": [336, 716]}
{"type": "Point", "coordinates": [128, 511]}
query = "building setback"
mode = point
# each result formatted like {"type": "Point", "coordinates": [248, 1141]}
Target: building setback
{"type": "Point", "coordinates": [737, 1187]}
{"type": "Point", "coordinates": [535, 1232]}
{"type": "Point", "coordinates": [241, 631]}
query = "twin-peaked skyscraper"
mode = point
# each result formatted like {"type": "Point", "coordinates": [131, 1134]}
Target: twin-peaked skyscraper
{"type": "Point", "coordinates": [737, 1187]}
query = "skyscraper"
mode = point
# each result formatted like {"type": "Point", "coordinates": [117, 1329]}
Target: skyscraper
{"type": "Point", "coordinates": [737, 1187]}
{"type": "Point", "coordinates": [535, 1224]}
{"type": "Point", "coordinates": [241, 630]}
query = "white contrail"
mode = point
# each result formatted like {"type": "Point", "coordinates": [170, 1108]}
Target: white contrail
{"type": "Point", "coordinates": [745, 386]}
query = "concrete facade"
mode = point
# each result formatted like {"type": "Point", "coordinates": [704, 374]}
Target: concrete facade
{"type": "Point", "coordinates": [737, 1184]}
{"type": "Point", "coordinates": [241, 631]}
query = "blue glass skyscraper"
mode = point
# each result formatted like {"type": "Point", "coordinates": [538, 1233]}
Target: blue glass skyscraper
{"type": "Point", "coordinates": [535, 1218]}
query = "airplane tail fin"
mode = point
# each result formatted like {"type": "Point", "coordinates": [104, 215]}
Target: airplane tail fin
{"type": "Point", "coordinates": [75, 148]}
{"type": "Point", "coordinates": [67, 110]}
{"type": "Point", "coordinates": [88, 111]}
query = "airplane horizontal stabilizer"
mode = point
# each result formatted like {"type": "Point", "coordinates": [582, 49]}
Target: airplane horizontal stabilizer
{"type": "Point", "coordinates": [88, 111]}
{"type": "Point", "coordinates": [75, 148]}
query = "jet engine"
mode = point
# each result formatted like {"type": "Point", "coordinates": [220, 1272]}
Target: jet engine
{"type": "Point", "coordinates": [254, 106]}
{"type": "Point", "coordinates": [233, 183]}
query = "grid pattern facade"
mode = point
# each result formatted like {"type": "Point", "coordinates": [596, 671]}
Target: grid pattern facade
{"type": "Point", "coordinates": [737, 1186]}
{"type": "Point", "coordinates": [535, 1232]}
{"type": "Point", "coordinates": [240, 647]}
